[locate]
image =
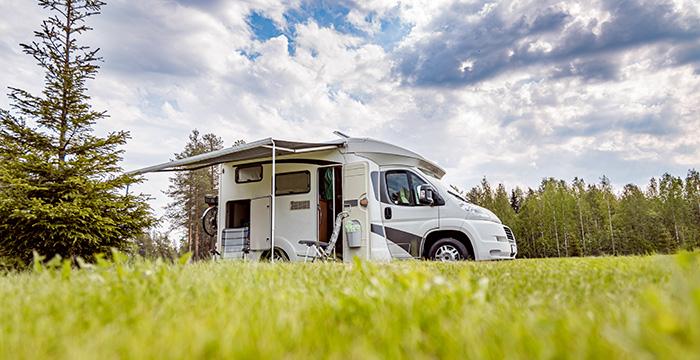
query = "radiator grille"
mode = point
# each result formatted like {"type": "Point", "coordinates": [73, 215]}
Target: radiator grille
{"type": "Point", "coordinates": [509, 234]}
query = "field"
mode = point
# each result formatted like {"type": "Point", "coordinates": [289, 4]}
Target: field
{"type": "Point", "coordinates": [629, 307]}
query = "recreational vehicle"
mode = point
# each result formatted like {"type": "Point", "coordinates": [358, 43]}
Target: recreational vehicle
{"type": "Point", "coordinates": [345, 198]}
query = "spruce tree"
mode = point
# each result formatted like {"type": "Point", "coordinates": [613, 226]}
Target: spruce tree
{"type": "Point", "coordinates": [62, 191]}
{"type": "Point", "coordinates": [187, 190]}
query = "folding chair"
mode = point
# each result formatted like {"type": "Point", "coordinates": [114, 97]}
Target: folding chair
{"type": "Point", "coordinates": [323, 250]}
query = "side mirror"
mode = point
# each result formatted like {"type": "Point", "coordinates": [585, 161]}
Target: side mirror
{"type": "Point", "coordinates": [425, 194]}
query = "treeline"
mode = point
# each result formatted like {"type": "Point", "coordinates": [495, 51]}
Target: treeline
{"type": "Point", "coordinates": [579, 219]}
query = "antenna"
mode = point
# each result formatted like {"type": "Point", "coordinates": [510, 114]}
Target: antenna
{"type": "Point", "coordinates": [341, 134]}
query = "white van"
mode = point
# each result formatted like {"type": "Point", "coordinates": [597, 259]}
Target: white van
{"type": "Point", "coordinates": [394, 199]}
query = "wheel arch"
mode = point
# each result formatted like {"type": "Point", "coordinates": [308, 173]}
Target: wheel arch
{"type": "Point", "coordinates": [265, 254]}
{"type": "Point", "coordinates": [435, 235]}
{"type": "Point", "coordinates": [286, 246]}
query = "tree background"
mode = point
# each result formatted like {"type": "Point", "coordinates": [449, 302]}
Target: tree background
{"type": "Point", "coordinates": [579, 219]}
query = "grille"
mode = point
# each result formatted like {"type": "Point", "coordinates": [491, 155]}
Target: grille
{"type": "Point", "coordinates": [509, 234]}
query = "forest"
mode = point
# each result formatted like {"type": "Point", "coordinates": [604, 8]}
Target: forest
{"type": "Point", "coordinates": [560, 219]}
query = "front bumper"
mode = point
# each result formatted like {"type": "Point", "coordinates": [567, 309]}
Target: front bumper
{"type": "Point", "coordinates": [500, 252]}
{"type": "Point", "coordinates": [493, 241]}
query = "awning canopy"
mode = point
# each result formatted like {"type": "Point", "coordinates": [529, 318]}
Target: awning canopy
{"type": "Point", "coordinates": [250, 151]}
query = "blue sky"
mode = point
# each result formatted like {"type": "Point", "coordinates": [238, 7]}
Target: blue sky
{"type": "Point", "coordinates": [512, 90]}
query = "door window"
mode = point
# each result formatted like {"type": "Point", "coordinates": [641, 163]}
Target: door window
{"type": "Point", "coordinates": [401, 186]}
{"type": "Point", "coordinates": [415, 181]}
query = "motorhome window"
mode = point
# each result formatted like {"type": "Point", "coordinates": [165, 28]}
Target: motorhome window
{"type": "Point", "coordinates": [246, 174]}
{"type": "Point", "coordinates": [399, 188]}
{"type": "Point", "coordinates": [293, 183]}
{"type": "Point", "coordinates": [415, 181]}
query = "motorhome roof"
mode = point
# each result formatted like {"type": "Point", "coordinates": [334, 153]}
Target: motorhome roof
{"type": "Point", "coordinates": [379, 151]}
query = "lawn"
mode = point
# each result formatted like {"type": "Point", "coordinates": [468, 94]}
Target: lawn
{"type": "Point", "coordinates": [629, 307]}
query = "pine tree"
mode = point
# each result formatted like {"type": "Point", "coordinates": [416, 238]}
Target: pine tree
{"type": "Point", "coordinates": [501, 205]}
{"type": "Point", "coordinates": [188, 189]}
{"type": "Point", "coordinates": [61, 187]}
{"type": "Point", "coordinates": [516, 199]}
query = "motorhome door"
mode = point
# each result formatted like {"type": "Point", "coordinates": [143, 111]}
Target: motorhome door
{"type": "Point", "coordinates": [406, 221]}
{"type": "Point", "coordinates": [356, 226]}
{"type": "Point", "coordinates": [260, 223]}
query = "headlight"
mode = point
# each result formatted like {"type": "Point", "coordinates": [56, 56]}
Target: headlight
{"type": "Point", "coordinates": [479, 213]}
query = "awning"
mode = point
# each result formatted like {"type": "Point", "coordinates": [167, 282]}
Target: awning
{"type": "Point", "coordinates": [250, 151]}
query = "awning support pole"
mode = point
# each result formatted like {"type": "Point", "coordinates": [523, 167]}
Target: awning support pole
{"type": "Point", "coordinates": [272, 205]}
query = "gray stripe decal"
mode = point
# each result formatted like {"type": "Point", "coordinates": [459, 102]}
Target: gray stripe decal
{"type": "Point", "coordinates": [377, 229]}
{"type": "Point", "coordinates": [409, 242]}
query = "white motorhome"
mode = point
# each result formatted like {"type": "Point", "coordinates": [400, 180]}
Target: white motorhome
{"type": "Point", "coordinates": [275, 193]}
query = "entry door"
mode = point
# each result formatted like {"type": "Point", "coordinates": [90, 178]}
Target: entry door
{"type": "Point", "coordinates": [260, 224]}
{"type": "Point", "coordinates": [405, 220]}
{"type": "Point", "coordinates": [355, 187]}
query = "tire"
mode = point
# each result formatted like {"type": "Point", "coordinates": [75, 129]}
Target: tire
{"type": "Point", "coordinates": [209, 221]}
{"type": "Point", "coordinates": [449, 249]}
{"type": "Point", "coordinates": [280, 255]}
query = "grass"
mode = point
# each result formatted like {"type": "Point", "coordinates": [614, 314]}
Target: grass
{"type": "Point", "coordinates": [625, 307]}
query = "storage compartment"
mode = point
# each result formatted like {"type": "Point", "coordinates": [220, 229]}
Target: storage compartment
{"type": "Point", "coordinates": [260, 224]}
{"type": "Point", "coordinates": [254, 217]}
{"type": "Point", "coordinates": [235, 237]}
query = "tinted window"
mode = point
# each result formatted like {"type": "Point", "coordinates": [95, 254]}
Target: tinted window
{"type": "Point", "coordinates": [415, 181]}
{"type": "Point", "coordinates": [399, 188]}
{"type": "Point", "coordinates": [245, 174]}
{"type": "Point", "coordinates": [293, 183]}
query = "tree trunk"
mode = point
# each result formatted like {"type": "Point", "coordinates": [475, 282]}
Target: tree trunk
{"type": "Point", "coordinates": [198, 256]}
{"type": "Point", "coordinates": [63, 129]}
{"type": "Point", "coordinates": [556, 234]}
{"type": "Point", "coordinates": [612, 238]}
{"type": "Point", "coordinates": [583, 236]}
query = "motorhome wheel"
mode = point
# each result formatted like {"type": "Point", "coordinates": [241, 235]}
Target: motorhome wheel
{"type": "Point", "coordinates": [448, 249]}
{"type": "Point", "coordinates": [280, 255]}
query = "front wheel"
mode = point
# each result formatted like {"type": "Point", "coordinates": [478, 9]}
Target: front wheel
{"type": "Point", "coordinates": [448, 249]}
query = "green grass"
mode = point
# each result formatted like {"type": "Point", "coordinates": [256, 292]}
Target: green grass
{"type": "Point", "coordinates": [629, 307]}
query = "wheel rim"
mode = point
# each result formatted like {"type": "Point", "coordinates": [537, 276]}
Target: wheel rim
{"type": "Point", "coordinates": [279, 256]}
{"type": "Point", "coordinates": [447, 252]}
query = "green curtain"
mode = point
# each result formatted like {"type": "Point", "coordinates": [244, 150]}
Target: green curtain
{"type": "Point", "coordinates": [328, 184]}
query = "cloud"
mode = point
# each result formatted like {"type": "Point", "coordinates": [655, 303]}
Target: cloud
{"type": "Point", "coordinates": [469, 43]}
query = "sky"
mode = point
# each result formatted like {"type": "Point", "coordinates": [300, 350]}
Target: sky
{"type": "Point", "coordinates": [514, 91]}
